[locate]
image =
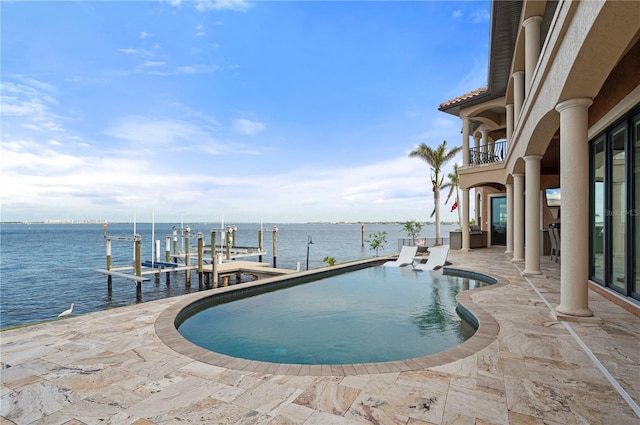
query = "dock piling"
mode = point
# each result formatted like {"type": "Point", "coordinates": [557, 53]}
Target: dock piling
{"type": "Point", "coordinates": [138, 255]}
{"type": "Point", "coordinates": [175, 241]}
{"type": "Point", "coordinates": [275, 243]}
{"type": "Point", "coordinates": [228, 243]}
{"type": "Point", "coordinates": [187, 260]}
{"type": "Point", "coordinates": [108, 244]}
{"type": "Point", "coordinates": [214, 271]}
{"type": "Point", "coordinates": [200, 259]}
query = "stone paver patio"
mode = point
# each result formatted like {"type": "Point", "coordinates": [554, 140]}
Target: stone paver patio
{"type": "Point", "coordinates": [115, 367]}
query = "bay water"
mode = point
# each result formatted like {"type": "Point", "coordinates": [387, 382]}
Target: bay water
{"type": "Point", "coordinates": [46, 267]}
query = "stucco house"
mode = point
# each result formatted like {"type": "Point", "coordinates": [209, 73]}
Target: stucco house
{"type": "Point", "coordinates": [554, 139]}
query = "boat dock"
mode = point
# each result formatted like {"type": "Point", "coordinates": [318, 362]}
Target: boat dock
{"type": "Point", "coordinates": [215, 266]}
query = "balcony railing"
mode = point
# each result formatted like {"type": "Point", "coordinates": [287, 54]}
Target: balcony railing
{"type": "Point", "coordinates": [488, 154]}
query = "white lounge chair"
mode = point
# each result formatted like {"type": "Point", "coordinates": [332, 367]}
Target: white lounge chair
{"type": "Point", "coordinates": [436, 259]}
{"type": "Point", "coordinates": [405, 258]}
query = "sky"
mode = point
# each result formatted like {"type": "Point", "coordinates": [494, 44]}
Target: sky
{"type": "Point", "coordinates": [274, 111]}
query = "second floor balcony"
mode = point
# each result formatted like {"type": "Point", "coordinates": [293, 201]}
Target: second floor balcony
{"type": "Point", "coordinates": [488, 154]}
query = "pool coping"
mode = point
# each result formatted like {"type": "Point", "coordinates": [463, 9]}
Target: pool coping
{"type": "Point", "coordinates": [487, 330]}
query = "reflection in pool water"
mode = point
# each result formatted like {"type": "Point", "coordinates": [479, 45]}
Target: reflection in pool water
{"type": "Point", "coordinates": [375, 314]}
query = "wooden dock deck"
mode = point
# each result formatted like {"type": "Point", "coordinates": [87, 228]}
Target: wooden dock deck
{"type": "Point", "coordinates": [223, 273]}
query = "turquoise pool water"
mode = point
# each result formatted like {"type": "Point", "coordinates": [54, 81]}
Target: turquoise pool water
{"type": "Point", "coordinates": [375, 314]}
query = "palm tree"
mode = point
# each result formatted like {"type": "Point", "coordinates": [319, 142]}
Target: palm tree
{"type": "Point", "coordinates": [436, 158]}
{"type": "Point", "coordinates": [453, 184]}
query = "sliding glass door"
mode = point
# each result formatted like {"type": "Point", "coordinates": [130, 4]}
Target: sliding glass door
{"type": "Point", "coordinates": [615, 206]}
{"type": "Point", "coordinates": [498, 220]}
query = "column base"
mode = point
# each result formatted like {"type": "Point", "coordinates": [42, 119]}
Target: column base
{"type": "Point", "coordinates": [464, 250]}
{"type": "Point", "coordinates": [508, 253]}
{"type": "Point", "coordinates": [517, 260]}
{"type": "Point", "coordinates": [532, 273]}
{"type": "Point", "coordinates": [564, 311]}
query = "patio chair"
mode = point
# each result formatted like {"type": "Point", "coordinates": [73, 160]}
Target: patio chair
{"type": "Point", "coordinates": [556, 235]}
{"type": "Point", "coordinates": [436, 259]}
{"type": "Point", "coordinates": [554, 245]}
{"type": "Point", "coordinates": [405, 258]}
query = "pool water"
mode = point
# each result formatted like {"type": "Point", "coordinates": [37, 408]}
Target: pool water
{"type": "Point", "coordinates": [375, 314]}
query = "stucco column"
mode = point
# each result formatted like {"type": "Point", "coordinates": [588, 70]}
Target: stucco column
{"type": "Point", "coordinates": [509, 112]}
{"type": "Point", "coordinates": [574, 182]}
{"type": "Point", "coordinates": [532, 218]}
{"type": "Point", "coordinates": [518, 94]}
{"type": "Point", "coordinates": [465, 141]}
{"type": "Point", "coordinates": [466, 239]}
{"type": "Point", "coordinates": [485, 143]}
{"type": "Point", "coordinates": [531, 48]}
{"type": "Point", "coordinates": [509, 250]}
{"type": "Point", "coordinates": [518, 218]}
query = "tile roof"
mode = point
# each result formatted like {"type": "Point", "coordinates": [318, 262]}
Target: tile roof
{"type": "Point", "coordinates": [465, 96]}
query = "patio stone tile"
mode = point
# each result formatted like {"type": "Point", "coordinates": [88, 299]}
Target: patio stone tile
{"type": "Point", "coordinates": [267, 397]}
{"type": "Point", "coordinates": [324, 418]}
{"type": "Point", "coordinates": [328, 395]}
{"type": "Point", "coordinates": [292, 414]}
{"type": "Point", "coordinates": [400, 401]}
{"type": "Point", "coordinates": [486, 405]}
{"type": "Point", "coordinates": [114, 365]}
{"type": "Point", "coordinates": [35, 401]}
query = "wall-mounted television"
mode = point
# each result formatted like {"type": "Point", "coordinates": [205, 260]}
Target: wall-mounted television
{"type": "Point", "coordinates": [553, 197]}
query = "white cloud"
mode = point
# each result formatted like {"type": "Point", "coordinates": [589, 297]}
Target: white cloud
{"type": "Point", "coordinates": [151, 64]}
{"type": "Point", "coordinates": [144, 34]}
{"type": "Point", "coordinates": [479, 16]}
{"type": "Point", "coordinates": [24, 99]}
{"type": "Point", "coordinates": [30, 104]}
{"type": "Point", "coordinates": [234, 5]}
{"type": "Point", "coordinates": [107, 185]}
{"type": "Point", "coordinates": [187, 69]}
{"type": "Point", "coordinates": [141, 52]}
{"type": "Point", "coordinates": [247, 127]}
{"type": "Point", "coordinates": [165, 133]}
{"type": "Point", "coordinates": [457, 13]}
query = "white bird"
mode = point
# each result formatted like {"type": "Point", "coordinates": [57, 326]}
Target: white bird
{"type": "Point", "coordinates": [66, 312]}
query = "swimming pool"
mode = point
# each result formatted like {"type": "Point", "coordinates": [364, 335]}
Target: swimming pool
{"type": "Point", "coordinates": [376, 314]}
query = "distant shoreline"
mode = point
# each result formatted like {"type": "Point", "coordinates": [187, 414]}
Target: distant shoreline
{"type": "Point", "coordinates": [428, 223]}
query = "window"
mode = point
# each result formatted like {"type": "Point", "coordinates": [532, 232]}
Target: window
{"type": "Point", "coordinates": [615, 206]}
{"type": "Point", "coordinates": [635, 289]}
{"type": "Point", "coordinates": [598, 213]}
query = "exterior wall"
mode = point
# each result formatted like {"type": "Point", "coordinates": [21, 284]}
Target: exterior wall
{"type": "Point", "coordinates": [569, 45]}
{"type": "Point", "coordinates": [586, 74]}
{"type": "Point", "coordinates": [623, 79]}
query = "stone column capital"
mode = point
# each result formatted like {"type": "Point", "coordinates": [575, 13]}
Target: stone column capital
{"type": "Point", "coordinates": [532, 157]}
{"type": "Point", "coordinates": [531, 20]}
{"type": "Point", "coordinates": [575, 102]}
